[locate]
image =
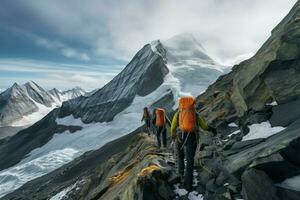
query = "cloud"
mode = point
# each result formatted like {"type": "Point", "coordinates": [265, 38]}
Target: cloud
{"type": "Point", "coordinates": [237, 60]}
{"type": "Point", "coordinates": [72, 53]}
{"type": "Point", "coordinates": [61, 76]}
{"type": "Point", "coordinates": [60, 47]}
{"type": "Point", "coordinates": [119, 29]}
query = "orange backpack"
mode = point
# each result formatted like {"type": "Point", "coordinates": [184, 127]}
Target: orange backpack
{"type": "Point", "coordinates": [187, 118]}
{"type": "Point", "coordinates": [160, 117]}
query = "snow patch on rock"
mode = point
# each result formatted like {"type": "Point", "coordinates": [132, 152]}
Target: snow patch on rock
{"type": "Point", "coordinates": [262, 130]}
{"type": "Point", "coordinates": [36, 116]}
{"type": "Point", "coordinates": [291, 183]}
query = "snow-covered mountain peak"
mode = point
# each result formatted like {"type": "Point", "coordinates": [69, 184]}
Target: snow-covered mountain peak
{"type": "Point", "coordinates": [31, 85]}
{"type": "Point", "coordinates": [22, 105]}
{"type": "Point", "coordinates": [184, 51]}
{"type": "Point", "coordinates": [14, 88]}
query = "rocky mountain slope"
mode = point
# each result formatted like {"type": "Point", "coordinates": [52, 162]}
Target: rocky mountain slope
{"type": "Point", "coordinates": [61, 96]}
{"type": "Point", "coordinates": [23, 105]}
{"type": "Point", "coordinates": [88, 122]}
{"type": "Point", "coordinates": [253, 156]}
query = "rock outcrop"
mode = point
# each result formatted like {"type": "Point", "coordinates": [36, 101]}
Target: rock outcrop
{"type": "Point", "coordinates": [128, 168]}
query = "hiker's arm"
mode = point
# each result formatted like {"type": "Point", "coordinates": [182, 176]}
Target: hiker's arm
{"type": "Point", "coordinates": [174, 125]}
{"type": "Point", "coordinates": [143, 118]}
{"type": "Point", "coordinates": [204, 125]}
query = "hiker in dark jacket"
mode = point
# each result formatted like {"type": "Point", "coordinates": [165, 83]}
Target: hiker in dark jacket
{"type": "Point", "coordinates": [159, 121]}
{"type": "Point", "coordinates": [185, 125]}
{"type": "Point", "coordinates": [147, 119]}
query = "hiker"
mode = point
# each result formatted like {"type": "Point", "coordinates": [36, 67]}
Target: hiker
{"type": "Point", "coordinates": [159, 121]}
{"type": "Point", "coordinates": [187, 121]}
{"type": "Point", "coordinates": [147, 119]}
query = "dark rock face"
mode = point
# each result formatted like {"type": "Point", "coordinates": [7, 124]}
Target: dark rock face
{"type": "Point", "coordinates": [287, 194]}
{"type": "Point", "coordinates": [8, 131]}
{"type": "Point", "coordinates": [285, 114]}
{"type": "Point", "coordinates": [141, 76]}
{"type": "Point", "coordinates": [258, 186]}
{"type": "Point", "coordinates": [166, 102]}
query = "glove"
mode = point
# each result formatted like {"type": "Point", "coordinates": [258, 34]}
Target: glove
{"type": "Point", "coordinates": [213, 130]}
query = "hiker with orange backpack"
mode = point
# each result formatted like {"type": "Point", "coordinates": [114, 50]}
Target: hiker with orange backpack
{"type": "Point", "coordinates": [185, 125]}
{"type": "Point", "coordinates": [159, 121]}
{"type": "Point", "coordinates": [147, 119]}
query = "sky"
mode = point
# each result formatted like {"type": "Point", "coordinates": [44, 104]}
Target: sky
{"type": "Point", "coordinates": [68, 43]}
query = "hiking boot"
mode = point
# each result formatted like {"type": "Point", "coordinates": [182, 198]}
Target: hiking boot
{"type": "Point", "coordinates": [189, 188]}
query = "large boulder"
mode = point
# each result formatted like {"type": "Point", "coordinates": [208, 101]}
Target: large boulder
{"type": "Point", "coordinates": [258, 186]}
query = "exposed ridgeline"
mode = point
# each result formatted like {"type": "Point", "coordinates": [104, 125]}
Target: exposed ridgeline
{"type": "Point", "coordinates": [156, 76]}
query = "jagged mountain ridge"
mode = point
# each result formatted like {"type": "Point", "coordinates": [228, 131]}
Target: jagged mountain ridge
{"type": "Point", "coordinates": [107, 114]}
{"type": "Point", "coordinates": [144, 74]}
{"type": "Point", "coordinates": [22, 105]}
{"type": "Point", "coordinates": [62, 96]}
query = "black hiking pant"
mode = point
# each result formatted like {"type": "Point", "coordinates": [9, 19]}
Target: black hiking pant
{"type": "Point", "coordinates": [186, 148]}
{"type": "Point", "coordinates": [161, 131]}
{"type": "Point", "coordinates": [147, 123]}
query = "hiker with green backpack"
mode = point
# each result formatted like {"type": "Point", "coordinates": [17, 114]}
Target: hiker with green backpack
{"type": "Point", "coordinates": [185, 125]}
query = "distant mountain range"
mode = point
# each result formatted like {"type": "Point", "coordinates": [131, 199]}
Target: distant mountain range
{"type": "Point", "coordinates": [23, 105]}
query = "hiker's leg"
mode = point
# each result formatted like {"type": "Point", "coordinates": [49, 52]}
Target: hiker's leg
{"type": "Point", "coordinates": [164, 137]}
{"type": "Point", "coordinates": [158, 136]}
{"type": "Point", "coordinates": [148, 126]}
{"type": "Point", "coordinates": [145, 128]}
{"type": "Point", "coordinates": [179, 150]}
{"type": "Point", "coordinates": [191, 145]}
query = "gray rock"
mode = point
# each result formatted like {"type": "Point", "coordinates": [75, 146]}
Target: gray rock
{"type": "Point", "coordinates": [221, 178]}
{"type": "Point", "coordinates": [239, 146]}
{"type": "Point", "coordinates": [228, 145]}
{"type": "Point", "coordinates": [285, 114]}
{"type": "Point", "coordinates": [206, 154]}
{"type": "Point", "coordinates": [236, 163]}
{"type": "Point", "coordinates": [258, 186]}
{"type": "Point", "coordinates": [276, 167]}
{"type": "Point", "coordinates": [288, 194]}
{"type": "Point", "coordinates": [204, 177]}
{"type": "Point", "coordinates": [211, 186]}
